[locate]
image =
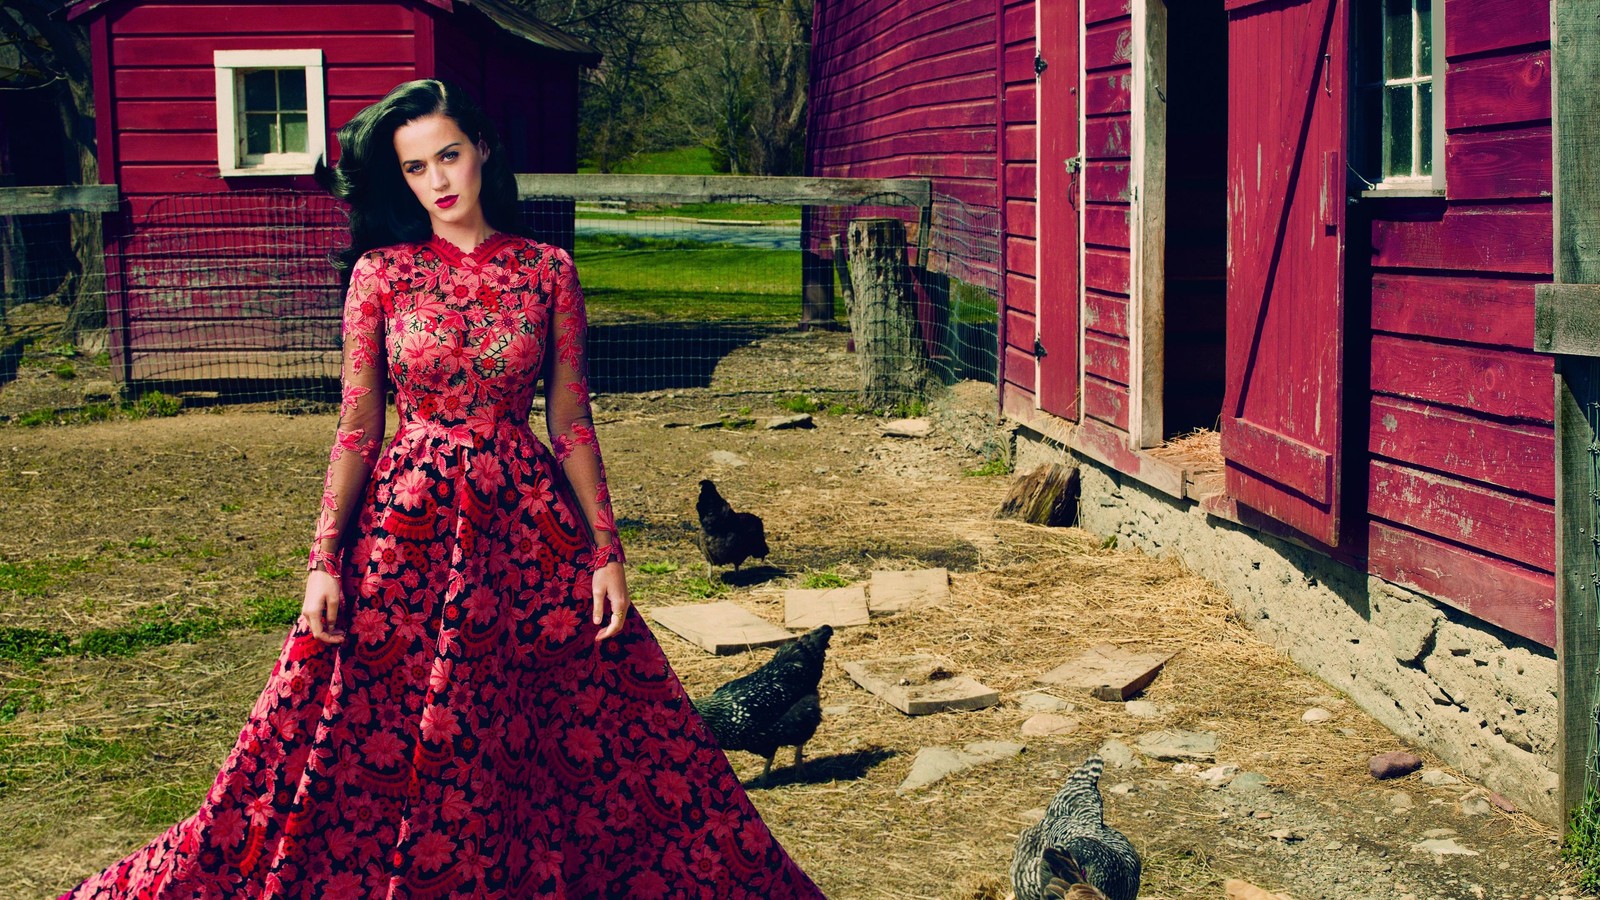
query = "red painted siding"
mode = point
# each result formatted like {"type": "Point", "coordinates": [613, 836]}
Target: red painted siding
{"type": "Point", "coordinates": [1107, 200]}
{"type": "Point", "coordinates": [1461, 444]}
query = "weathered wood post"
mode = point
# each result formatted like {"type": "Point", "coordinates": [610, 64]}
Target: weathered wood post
{"type": "Point", "coordinates": [883, 315]}
{"type": "Point", "coordinates": [816, 278]}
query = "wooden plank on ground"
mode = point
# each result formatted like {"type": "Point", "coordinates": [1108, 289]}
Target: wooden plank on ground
{"type": "Point", "coordinates": [1108, 671]}
{"type": "Point", "coordinates": [892, 592]}
{"type": "Point", "coordinates": [919, 684]}
{"type": "Point", "coordinates": [721, 628]}
{"type": "Point", "coordinates": [807, 608]}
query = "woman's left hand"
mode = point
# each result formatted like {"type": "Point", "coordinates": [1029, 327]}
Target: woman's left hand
{"type": "Point", "coordinates": [610, 588]}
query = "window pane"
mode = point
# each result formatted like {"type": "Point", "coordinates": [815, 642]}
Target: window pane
{"type": "Point", "coordinates": [294, 133]}
{"type": "Point", "coordinates": [292, 89]}
{"type": "Point", "coordinates": [261, 90]}
{"type": "Point", "coordinates": [1397, 119]}
{"type": "Point", "coordinates": [1425, 128]}
{"type": "Point", "coordinates": [260, 133]}
{"type": "Point", "coordinates": [1425, 36]}
{"type": "Point", "coordinates": [1397, 38]}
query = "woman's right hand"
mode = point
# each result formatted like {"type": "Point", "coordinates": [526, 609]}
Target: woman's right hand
{"type": "Point", "coordinates": [321, 609]}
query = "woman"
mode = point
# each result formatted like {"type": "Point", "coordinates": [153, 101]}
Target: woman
{"type": "Point", "coordinates": [468, 706]}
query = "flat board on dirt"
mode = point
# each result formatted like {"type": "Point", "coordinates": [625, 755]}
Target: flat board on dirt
{"type": "Point", "coordinates": [918, 685]}
{"type": "Point", "coordinates": [722, 627]}
{"type": "Point", "coordinates": [806, 608]}
{"type": "Point", "coordinates": [892, 592]}
{"type": "Point", "coordinates": [1108, 671]}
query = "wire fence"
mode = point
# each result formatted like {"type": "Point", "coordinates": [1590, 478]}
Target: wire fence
{"type": "Point", "coordinates": [230, 296]}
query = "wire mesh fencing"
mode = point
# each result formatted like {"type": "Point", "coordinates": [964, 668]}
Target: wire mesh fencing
{"type": "Point", "coordinates": [230, 296]}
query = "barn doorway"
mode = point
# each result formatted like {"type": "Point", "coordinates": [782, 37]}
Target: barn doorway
{"type": "Point", "coordinates": [1196, 216]}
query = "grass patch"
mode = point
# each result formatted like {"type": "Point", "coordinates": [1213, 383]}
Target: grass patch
{"type": "Point", "coordinates": [658, 568]}
{"type": "Point", "coordinates": [694, 159]}
{"type": "Point", "coordinates": [144, 543]}
{"type": "Point", "coordinates": [65, 370]}
{"type": "Point", "coordinates": [20, 695]}
{"type": "Point", "coordinates": [627, 277]}
{"type": "Point", "coordinates": [33, 579]}
{"type": "Point", "coordinates": [996, 466]}
{"type": "Point", "coordinates": [231, 507]}
{"type": "Point", "coordinates": [799, 403]}
{"type": "Point", "coordinates": [1581, 845]}
{"type": "Point", "coordinates": [31, 645]}
{"type": "Point", "coordinates": [271, 613]}
{"type": "Point", "coordinates": [823, 580]}
{"type": "Point", "coordinates": [154, 405]}
{"type": "Point", "coordinates": [269, 569]}
{"type": "Point", "coordinates": [129, 640]}
{"type": "Point", "coordinates": [702, 588]}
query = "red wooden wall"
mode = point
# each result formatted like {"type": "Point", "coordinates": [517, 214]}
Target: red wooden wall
{"type": "Point", "coordinates": [904, 89]}
{"type": "Point", "coordinates": [213, 278]}
{"type": "Point", "coordinates": [1018, 183]}
{"type": "Point", "coordinates": [1107, 196]}
{"type": "Point", "coordinates": [1461, 436]}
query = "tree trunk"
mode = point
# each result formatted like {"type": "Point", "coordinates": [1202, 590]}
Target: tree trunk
{"type": "Point", "coordinates": [883, 317]}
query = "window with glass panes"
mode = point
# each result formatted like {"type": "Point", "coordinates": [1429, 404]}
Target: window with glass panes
{"type": "Point", "coordinates": [272, 112]}
{"type": "Point", "coordinates": [1397, 90]}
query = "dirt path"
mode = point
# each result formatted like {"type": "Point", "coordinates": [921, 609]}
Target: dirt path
{"type": "Point", "coordinates": [132, 527]}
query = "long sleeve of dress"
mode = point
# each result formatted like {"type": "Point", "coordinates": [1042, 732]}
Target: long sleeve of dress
{"type": "Point", "coordinates": [567, 414]}
{"type": "Point", "coordinates": [359, 436]}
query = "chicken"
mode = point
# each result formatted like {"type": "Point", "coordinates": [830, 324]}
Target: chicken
{"type": "Point", "coordinates": [1072, 845]}
{"type": "Point", "coordinates": [727, 536]}
{"type": "Point", "coordinates": [774, 706]}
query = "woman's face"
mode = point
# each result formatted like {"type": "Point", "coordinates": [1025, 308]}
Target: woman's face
{"type": "Point", "coordinates": [443, 167]}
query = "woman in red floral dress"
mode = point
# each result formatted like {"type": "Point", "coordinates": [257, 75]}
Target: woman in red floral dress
{"type": "Point", "coordinates": [468, 706]}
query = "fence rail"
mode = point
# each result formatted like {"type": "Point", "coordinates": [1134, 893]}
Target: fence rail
{"type": "Point", "coordinates": [671, 189]}
{"type": "Point", "coordinates": [33, 201]}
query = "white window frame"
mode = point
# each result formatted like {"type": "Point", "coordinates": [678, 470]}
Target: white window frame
{"type": "Point", "coordinates": [230, 66]}
{"type": "Point", "coordinates": [1432, 185]}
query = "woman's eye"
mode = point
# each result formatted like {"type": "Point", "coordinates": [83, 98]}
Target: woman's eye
{"type": "Point", "coordinates": [450, 157]}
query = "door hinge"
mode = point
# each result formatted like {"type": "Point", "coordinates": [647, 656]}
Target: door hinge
{"type": "Point", "coordinates": [1074, 164]}
{"type": "Point", "coordinates": [1039, 65]}
{"type": "Point", "coordinates": [1038, 348]}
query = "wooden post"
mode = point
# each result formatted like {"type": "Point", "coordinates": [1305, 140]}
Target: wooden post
{"type": "Point", "coordinates": [816, 279]}
{"type": "Point", "coordinates": [883, 317]}
{"type": "Point", "coordinates": [1575, 57]}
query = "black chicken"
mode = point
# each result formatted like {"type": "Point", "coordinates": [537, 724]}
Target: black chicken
{"type": "Point", "coordinates": [1072, 845]}
{"type": "Point", "coordinates": [774, 706]}
{"type": "Point", "coordinates": [727, 536]}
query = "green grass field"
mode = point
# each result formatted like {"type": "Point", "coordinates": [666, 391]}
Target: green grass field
{"type": "Point", "coordinates": [632, 278]}
{"type": "Point", "coordinates": [695, 160]}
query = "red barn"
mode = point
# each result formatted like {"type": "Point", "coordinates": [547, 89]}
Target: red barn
{"type": "Point", "coordinates": [1313, 225]}
{"type": "Point", "coordinates": [210, 117]}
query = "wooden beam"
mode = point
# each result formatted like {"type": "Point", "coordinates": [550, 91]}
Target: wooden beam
{"type": "Point", "coordinates": [1147, 320]}
{"type": "Point", "coordinates": [1566, 319]}
{"type": "Point", "coordinates": [29, 201]}
{"type": "Point", "coordinates": [916, 192]}
{"type": "Point", "coordinates": [1575, 79]}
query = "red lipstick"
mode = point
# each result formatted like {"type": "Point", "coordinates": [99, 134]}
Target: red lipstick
{"type": "Point", "coordinates": [446, 202]}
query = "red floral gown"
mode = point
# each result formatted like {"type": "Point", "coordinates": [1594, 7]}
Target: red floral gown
{"type": "Point", "coordinates": [469, 738]}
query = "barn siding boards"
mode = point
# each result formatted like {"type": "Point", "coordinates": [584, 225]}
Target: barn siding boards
{"type": "Point", "coordinates": [1490, 311]}
{"type": "Point", "coordinates": [1509, 455]}
{"type": "Point", "coordinates": [1498, 165]}
{"type": "Point", "coordinates": [1493, 522]}
{"type": "Point", "coordinates": [1484, 26]}
{"type": "Point", "coordinates": [1503, 593]}
{"type": "Point", "coordinates": [1509, 239]}
{"type": "Point", "coordinates": [1511, 384]}
{"type": "Point", "coordinates": [1498, 91]}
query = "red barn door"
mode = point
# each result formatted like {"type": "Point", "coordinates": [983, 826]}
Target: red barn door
{"type": "Point", "coordinates": [1286, 138]}
{"type": "Point", "coordinates": [1059, 188]}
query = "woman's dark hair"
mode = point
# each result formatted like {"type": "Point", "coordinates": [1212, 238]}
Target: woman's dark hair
{"type": "Point", "coordinates": [383, 210]}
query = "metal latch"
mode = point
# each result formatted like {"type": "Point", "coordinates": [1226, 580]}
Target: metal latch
{"type": "Point", "coordinates": [1039, 65]}
{"type": "Point", "coordinates": [1038, 348]}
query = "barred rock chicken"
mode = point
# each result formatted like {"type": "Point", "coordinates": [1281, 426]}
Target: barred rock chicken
{"type": "Point", "coordinates": [774, 706]}
{"type": "Point", "coordinates": [727, 536]}
{"type": "Point", "coordinates": [1073, 845]}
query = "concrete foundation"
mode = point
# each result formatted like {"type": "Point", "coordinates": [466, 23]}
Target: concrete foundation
{"type": "Point", "coordinates": [1482, 699]}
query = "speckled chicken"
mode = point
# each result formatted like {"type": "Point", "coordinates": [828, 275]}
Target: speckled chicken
{"type": "Point", "coordinates": [774, 706]}
{"type": "Point", "coordinates": [727, 536]}
{"type": "Point", "coordinates": [1072, 845]}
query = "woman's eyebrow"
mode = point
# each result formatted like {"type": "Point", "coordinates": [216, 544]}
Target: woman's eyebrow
{"type": "Point", "coordinates": [442, 151]}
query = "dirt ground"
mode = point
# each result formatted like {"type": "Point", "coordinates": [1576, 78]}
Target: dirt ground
{"type": "Point", "coordinates": [128, 525]}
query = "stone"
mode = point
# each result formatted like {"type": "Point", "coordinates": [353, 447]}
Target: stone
{"type": "Point", "coordinates": [1142, 709]}
{"type": "Point", "coordinates": [1235, 889]}
{"type": "Point", "coordinates": [1046, 724]}
{"type": "Point", "coordinates": [1179, 746]}
{"type": "Point", "coordinates": [1119, 755]}
{"type": "Point", "coordinates": [1501, 803]}
{"type": "Point", "coordinates": [934, 764]}
{"type": "Point", "coordinates": [1315, 715]}
{"type": "Point", "coordinates": [720, 628]}
{"type": "Point", "coordinates": [1124, 788]}
{"type": "Point", "coordinates": [726, 458]}
{"type": "Point", "coordinates": [1394, 764]}
{"type": "Point", "coordinates": [892, 592]}
{"type": "Point", "coordinates": [917, 685]}
{"type": "Point", "coordinates": [1039, 701]}
{"type": "Point", "coordinates": [806, 608]}
{"type": "Point", "coordinates": [1248, 782]}
{"type": "Point", "coordinates": [1443, 847]}
{"type": "Point", "coordinates": [1439, 833]}
{"type": "Point", "coordinates": [1185, 769]}
{"type": "Point", "coordinates": [1218, 777]}
{"type": "Point", "coordinates": [1438, 778]}
{"type": "Point", "coordinates": [1401, 801]}
{"type": "Point", "coordinates": [1108, 671]}
{"type": "Point", "coordinates": [1474, 804]}
{"type": "Point", "coordinates": [907, 428]}
{"type": "Point", "coordinates": [1261, 814]}
{"type": "Point", "coordinates": [801, 420]}
{"type": "Point", "coordinates": [1287, 835]}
